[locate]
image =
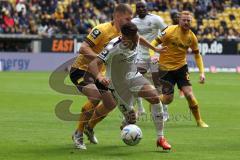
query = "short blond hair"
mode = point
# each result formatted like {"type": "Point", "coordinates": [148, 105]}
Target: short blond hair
{"type": "Point", "coordinates": [186, 13]}
{"type": "Point", "coordinates": [123, 8]}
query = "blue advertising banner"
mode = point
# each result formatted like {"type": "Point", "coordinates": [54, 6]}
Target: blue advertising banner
{"type": "Point", "coordinates": [49, 61]}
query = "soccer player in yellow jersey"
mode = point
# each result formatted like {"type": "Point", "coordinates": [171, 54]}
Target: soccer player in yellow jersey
{"type": "Point", "coordinates": [173, 67]}
{"type": "Point", "coordinates": [90, 48]}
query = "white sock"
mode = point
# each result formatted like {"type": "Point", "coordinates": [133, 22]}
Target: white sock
{"type": "Point", "coordinates": [165, 112]}
{"type": "Point", "coordinates": [165, 107]}
{"type": "Point", "coordinates": [140, 104]}
{"type": "Point", "coordinates": [157, 116]}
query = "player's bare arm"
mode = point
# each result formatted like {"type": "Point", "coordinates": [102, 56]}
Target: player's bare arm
{"type": "Point", "coordinates": [145, 43]}
{"type": "Point", "coordinates": [94, 70]}
{"type": "Point", "coordinates": [87, 51]}
{"type": "Point", "coordinates": [155, 43]}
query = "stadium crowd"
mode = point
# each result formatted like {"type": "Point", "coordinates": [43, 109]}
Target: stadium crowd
{"type": "Point", "coordinates": [51, 17]}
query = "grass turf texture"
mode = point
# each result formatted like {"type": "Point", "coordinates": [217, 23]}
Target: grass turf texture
{"type": "Point", "coordinates": [30, 130]}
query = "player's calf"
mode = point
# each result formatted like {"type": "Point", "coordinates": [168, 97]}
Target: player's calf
{"type": "Point", "coordinates": [149, 93]}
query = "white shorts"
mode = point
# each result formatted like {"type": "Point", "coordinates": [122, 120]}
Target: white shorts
{"type": "Point", "coordinates": [126, 92]}
{"type": "Point", "coordinates": [147, 64]}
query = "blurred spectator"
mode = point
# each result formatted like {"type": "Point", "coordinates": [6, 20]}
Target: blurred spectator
{"type": "Point", "coordinates": [223, 32]}
{"type": "Point", "coordinates": [161, 5]}
{"type": "Point", "coordinates": [51, 17]}
{"type": "Point", "coordinates": [21, 7]}
{"type": "Point", "coordinates": [231, 34]}
{"type": "Point", "coordinates": [235, 3]}
{"type": "Point", "coordinates": [58, 15]}
{"type": "Point", "coordinates": [175, 18]}
{"type": "Point", "coordinates": [188, 6]}
{"type": "Point", "coordinates": [213, 13]}
{"type": "Point", "coordinates": [1, 24]}
{"type": "Point", "coordinates": [8, 20]}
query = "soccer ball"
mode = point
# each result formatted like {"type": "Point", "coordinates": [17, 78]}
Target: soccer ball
{"type": "Point", "coordinates": [131, 134]}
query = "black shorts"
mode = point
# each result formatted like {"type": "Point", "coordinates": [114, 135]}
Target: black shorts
{"type": "Point", "coordinates": [82, 78]}
{"type": "Point", "coordinates": [170, 78]}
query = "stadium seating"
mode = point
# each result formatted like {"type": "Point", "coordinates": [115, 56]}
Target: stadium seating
{"type": "Point", "coordinates": [79, 16]}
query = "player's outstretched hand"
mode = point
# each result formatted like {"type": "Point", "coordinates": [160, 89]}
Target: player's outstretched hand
{"type": "Point", "coordinates": [103, 80]}
{"type": "Point", "coordinates": [161, 49]}
{"type": "Point", "coordinates": [202, 78]}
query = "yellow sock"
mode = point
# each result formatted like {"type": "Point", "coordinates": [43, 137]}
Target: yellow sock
{"type": "Point", "coordinates": [196, 113]}
{"type": "Point", "coordinates": [86, 114]}
{"type": "Point", "coordinates": [99, 114]}
{"type": "Point", "coordinates": [193, 105]}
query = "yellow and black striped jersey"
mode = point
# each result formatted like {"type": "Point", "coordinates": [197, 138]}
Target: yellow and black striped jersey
{"type": "Point", "coordinates": [98, 38]}
{"type": "Point", "coordinates": [178, 43]}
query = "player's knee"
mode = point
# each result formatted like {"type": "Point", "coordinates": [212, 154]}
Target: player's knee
{"type": "Point", "coordinates": [87, 113]}
{"type": "Point", "coordinates": [188, 95]}
{"type": "Point", "coordinates": [110, 107]}
{"type": "Point", "coordinates": [83, 110]}
{"type": "Point", "coordinates": [94, 98]}
{"type": "Point", "coordinates": [167, 99]}
{"type": "Point", "coordinates": [108, 100]}
{"type": "Point", "coordinates": [154, 99]}
{"type": "Point", "coordinates": [95, 102]}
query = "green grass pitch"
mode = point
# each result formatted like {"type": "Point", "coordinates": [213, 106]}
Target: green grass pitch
{"type": "Point", "coordinates": [29, 129]}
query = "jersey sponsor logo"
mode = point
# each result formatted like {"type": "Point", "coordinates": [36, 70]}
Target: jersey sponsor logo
{"type": "Point", "coordinates": [129, 58]}
{"type": "Point", "coordinates": [187, 76]}
{"type": "Point", "coordinates": [103, 54]}
{"type": "Point", "coordinates": [179, 44]}
{"type": "Point", "coordinates": [95, 33]}
{"type": "Point", "coordinates": [117, 42]}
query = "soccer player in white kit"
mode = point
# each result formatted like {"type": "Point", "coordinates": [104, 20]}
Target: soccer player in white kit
{"type": "Point", "coordinates": [149, 26]}
{"type": "Point", "coordinates": [125, 81]}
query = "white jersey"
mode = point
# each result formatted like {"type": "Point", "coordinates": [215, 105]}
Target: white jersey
{"type": "Point", "coordinates": [119, 60]}
{"type": "Point", "coordinates": [121, 69]}
{"type": "Point", "coordinates": [149, 27]}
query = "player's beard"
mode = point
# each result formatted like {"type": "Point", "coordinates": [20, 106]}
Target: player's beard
{"type": "Point", "coordinates": [186, 27]}
{"type": "Point", "coordinates": [142, 15]}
